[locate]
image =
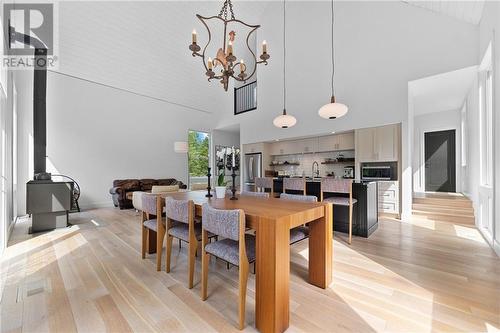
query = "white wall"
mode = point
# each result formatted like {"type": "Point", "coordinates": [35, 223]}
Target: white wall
{"type": "Point", "coordinates": [489, 30]}
{"type": "Point", "coordinates": [96, 134]}
{"type": "Point", "coordinates": [379, 47]}
{"type": "Point", "coordinates": [431, 122]}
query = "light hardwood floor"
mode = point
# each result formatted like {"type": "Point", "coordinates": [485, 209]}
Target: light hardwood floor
{"type": "Point", "coordinates": [418, 276]}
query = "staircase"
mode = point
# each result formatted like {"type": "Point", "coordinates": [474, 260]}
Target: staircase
{"type": "Point", "coordinates": [445, 207]}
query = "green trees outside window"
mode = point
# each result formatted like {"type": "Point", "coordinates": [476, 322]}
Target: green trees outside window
{"type": "Point", "coordinates": [198, 153]}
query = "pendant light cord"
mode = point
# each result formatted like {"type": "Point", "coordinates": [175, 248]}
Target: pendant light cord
{"type": "Point", "coordinates": [333, 54]}
{"type": "Point", "coordinates": [284, 56]}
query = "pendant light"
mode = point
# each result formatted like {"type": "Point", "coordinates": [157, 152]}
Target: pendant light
{"type": "Point", "coordinates": [284, 120]}
{"type": "Point", "coordinates": [333, 110]}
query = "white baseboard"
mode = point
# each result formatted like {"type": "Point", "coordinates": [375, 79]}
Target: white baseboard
{"type": "Point", "coordinates": [496, 247]}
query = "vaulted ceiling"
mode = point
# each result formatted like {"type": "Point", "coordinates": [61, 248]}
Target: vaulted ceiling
{"type": "Point", "coordinates": [469, 11]}
{"type": "Point", "coordinates": [142, 47]}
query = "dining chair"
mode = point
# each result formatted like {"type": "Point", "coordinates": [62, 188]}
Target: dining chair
{"type": "Point", "coordinates": [332, 185]}
{"type": "Point", "coordinates": [181, 224]}
{"type": "Point", "coordinates": [152, 224]}
{"type": "Point", "coordinates": [294, 184]}
{"type": "Point", "coordinates": [237, 247]}
{"type": "Point", "coordinates": [298, 233]}
{"type": "Point", "coordinates": [263, 183]}
{"type": "Point", "coordinates": [255, 194]}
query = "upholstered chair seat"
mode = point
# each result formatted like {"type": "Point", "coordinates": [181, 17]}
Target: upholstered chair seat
{"type": "Point", "coordinates": [340, 201]}
{"type": "Point", "coordinates": [151, 224]}
{"type": "Point", "coordinates": [299, 233]}
{"type": "Point", "coordinates": [228, 249]}
{"type": "Point", "coordinates": [181, 231]}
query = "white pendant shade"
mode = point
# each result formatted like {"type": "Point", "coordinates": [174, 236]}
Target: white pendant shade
{"type": "Point", "coordinates": [284, 121]}
{"type": "Point", "coordinates": [333, 110]}
{"type": "Point", "coordinates": [181, 147]}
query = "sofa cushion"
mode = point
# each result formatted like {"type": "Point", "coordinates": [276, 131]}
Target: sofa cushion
{"type": "Point", "coordinates": [127, 184]}
{"type": "Point", "coordinates": [167, 181]}
{"type": "Point", "coordinates": [164, 188]}
{"type": "Point", "coordinates": [147, 184]}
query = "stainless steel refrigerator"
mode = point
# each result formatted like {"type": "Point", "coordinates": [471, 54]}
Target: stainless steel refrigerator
{"type": "Point", "coordinates": [253, 169]}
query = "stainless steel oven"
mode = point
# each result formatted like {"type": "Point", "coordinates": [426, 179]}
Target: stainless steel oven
{"type": "Point", "coordinates": [378, 171]}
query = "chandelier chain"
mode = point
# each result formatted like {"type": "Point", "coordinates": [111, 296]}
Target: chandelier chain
{"type": "Point", "coordinates": [223, 11]}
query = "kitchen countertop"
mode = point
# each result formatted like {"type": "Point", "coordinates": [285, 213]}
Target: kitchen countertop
{"type": "Point", "coordinates": [318, 179]}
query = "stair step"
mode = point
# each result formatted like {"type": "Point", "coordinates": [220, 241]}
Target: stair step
{"type": "Point", "coordinates": [446, 203]}
{"type": "Point", "coordinates": [423, 218]}
{"type": "Point", "coordinates": [444, 217]}
{"type": "Point", "coordinates": [442, 209]}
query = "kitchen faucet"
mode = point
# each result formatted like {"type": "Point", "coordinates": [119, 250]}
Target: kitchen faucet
{"type": "Point", "coordinates": [315, 173]}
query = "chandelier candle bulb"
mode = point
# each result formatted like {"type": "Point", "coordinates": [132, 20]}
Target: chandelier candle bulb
{"type": "Point", "coordinates": [210, 63]}
{"type": "Point", "coordinates": [230, 47]}
{"type": "Point", "coordinates": [264, 47]}
{"type": "Point", "coordinates": [193, 36]}
{"type": "Point", "coordinates": [241, 65]}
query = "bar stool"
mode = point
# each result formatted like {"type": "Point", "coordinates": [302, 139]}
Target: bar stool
{"type": "Point", "coordinates": [332, 185]}
{"type": "Point", "coordinates": [294, 184]}
{"type": "Point", "coordinates": [263, 183]}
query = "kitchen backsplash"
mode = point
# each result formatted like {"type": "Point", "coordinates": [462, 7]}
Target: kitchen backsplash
{"type": "Point", "coordinates": [306, 161]}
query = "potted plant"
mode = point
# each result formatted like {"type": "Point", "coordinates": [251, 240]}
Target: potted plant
{"type": "Point", "coordinates": [220, 189]}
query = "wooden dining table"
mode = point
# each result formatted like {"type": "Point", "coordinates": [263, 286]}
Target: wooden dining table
{"type": "Point", "coordinates": [272, 219]}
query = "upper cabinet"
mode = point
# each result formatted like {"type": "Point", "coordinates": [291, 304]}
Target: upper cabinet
{"type": "Point", "coordinates": [335, 142]}
{"type": "Point", "coordinates": [378, 144]}
{"type": "Point", "coordinates": [343, 141]}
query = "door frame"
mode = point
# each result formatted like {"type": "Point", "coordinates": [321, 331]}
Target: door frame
{"type": "Point", "coordinates": [458, 152]}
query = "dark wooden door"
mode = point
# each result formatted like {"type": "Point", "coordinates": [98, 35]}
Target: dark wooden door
{"type": "Point", "coordinates": [440, 161]}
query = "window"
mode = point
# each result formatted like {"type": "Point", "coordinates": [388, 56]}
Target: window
{"type": "Point", "coordinates": [198, 157]}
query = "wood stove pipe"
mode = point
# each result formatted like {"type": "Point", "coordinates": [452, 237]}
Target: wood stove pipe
{"type": "Point", "coordinates": [39, 97]}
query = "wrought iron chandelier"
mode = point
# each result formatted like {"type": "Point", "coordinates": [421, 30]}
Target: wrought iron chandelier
{"type": "Point", "coordinates": [225, 58]}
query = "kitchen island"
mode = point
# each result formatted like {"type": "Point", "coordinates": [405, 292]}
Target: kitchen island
{"type": "Point", "coordinates": [365, 212]}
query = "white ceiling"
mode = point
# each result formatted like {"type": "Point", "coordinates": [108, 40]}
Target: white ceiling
{"type": "Point", "coordinates": [441, 92]}
{"type": "Point", "coordinates": [142, 47]}
{"type": "Point", "coordinates": [469, 11]}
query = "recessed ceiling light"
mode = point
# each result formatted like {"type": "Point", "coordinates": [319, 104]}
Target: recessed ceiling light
{"type": "Point", "coordinates": [333, 132]}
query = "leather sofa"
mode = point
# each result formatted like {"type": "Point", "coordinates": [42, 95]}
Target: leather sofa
{"type": "Point", "coordinates": [122, 189]}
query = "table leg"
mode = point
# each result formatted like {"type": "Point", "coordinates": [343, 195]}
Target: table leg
{"type": "Point", "coordinates": [273, 275]}
{"type": "Point", "coordinates": [321, 249]}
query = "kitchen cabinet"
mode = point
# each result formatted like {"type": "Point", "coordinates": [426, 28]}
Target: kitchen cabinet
{"type": "Point", "coordinates": [345, 141]}
{"type": "Point", "coordinates": [388, 197]}
{"type": "Point", "coordinates": [307, 145]}
{"type": "Point", "coordinates": [253, 148]}
{"type": "Point", "coordinates": [377, 144]}
{"type": "Point", "coordinates": [294, 147]}
{"type": "Point", "coordinates": [335, 142]}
